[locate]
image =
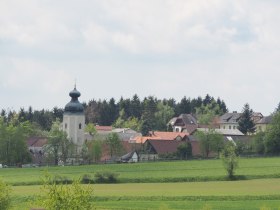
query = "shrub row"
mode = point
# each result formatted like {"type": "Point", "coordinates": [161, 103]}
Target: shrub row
{"type": "Point", "coordinates": [186, 198]}
{"type": "Point", "coordinates": [111, 177]}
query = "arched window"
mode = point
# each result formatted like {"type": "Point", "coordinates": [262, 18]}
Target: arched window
{"type": "Point", "coordinates": [65, 125]}
{"type": "Point", "coordinates": [80, 126]}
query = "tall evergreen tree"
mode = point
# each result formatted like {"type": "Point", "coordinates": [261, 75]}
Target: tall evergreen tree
{"type": "Point", "coordinates": [4, 115]}
{"type": "Point", "coordinates": [185, 106]}
{"type": "Point", "coordinates": [112, 111]}
{"type": "Point", "coordinates": [135, 105]}
{"type": "Point", "coordinates": [148, 117]}
{"type": "Point", "coordinates": [57, 113]}
{"type": "Point", "coordinates": [246, 124]}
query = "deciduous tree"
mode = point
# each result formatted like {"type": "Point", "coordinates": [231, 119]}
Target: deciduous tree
{"type": "Point", "coordinates": [59, 145]}
{"type": "Point", "coordinates": [209, 141]}
{"type": "Point", "coordinates": [272, 136]}
{"type": "Point", "coordinates": [114, 143]}
{"type": "Point", "coordinates": [230, 160]}
{"type": "Point", "coordinates": [13, 147]}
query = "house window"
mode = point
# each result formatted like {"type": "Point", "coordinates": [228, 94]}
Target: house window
{"type": "Point", "coordinates": [80, 126]}
{"type": "Point", "coordinates": [65, 125]}
{"type": "Point", "coordinates": [224, 127]}
{"type": "Point", "coordinates": [229, 127]}
{"type": "Point", "coordinates": [233, 127]}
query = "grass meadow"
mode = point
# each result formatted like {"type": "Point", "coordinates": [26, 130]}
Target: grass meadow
{"type": "Point", "coordinates": [196, 184]}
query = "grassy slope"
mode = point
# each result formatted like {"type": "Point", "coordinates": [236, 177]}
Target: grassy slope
{"type": "Point", "coordinates": [151, 172]}
{"type": "Point", "coordinates": [195, 195]}
{"type": "Point", "coordinates": [247, 194]}
{"type": "Point", "coordinates": [258, 187]}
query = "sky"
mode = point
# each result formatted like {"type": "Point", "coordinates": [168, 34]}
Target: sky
{"type": "Point", "coordinates": [163, 48]}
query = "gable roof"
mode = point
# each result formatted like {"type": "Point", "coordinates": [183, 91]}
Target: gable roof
{"type": "Point", "coordinates": [129, 155]}
{"type": "Point", "coordinates": [103, 128]}
{"type": "Point", "coordinates": [225, 132]}
{"type": "Point", "coordinates": [164, 146]}
{"type": "Point", "coordinates": [185, 119]}
{"type": "Point", "coordinates": [230, 117]}
{"type": "Point", "coordinates": [36, 141]}
{"type": "Point", "coordinates": [167, 135]}
{"type": "Point", "coordinates": [142, 139]}
{"type": "Point", "coordinates": [265, 120]}
{"type": "Point", "coordinates": [124, 130]}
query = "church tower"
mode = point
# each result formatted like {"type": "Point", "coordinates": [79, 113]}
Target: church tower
{"type": "Point", "coordinates": [74, 119]}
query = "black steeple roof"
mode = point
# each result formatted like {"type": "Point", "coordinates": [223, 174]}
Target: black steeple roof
{"type": "Point", "coordinates": [74, 106]}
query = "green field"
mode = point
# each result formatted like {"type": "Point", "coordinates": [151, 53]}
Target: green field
{"type": "Point", "coordinates": [159, 185]}
{"type": "Point", "coordinates": [195, 170]}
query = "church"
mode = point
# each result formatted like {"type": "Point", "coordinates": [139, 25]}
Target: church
{"type": "Point", "coordinates": [74, 120]}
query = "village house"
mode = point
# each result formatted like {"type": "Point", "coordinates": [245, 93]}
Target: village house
{"type": "Point", "coordinates": [230, 121]}
{"type": "Point", "coordinates": [262, 124]}
{"type": "Point", "coordinates": [184, 123]}
{"type": "Point", "coordinates": [37, 148]}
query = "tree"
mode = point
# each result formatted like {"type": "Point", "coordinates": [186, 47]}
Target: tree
{"type": "Point", "coordinates": [207, 100]}
{"type": "Point", "coordinates": [184, 106]}
{"type": "Point", "coordinates": [95, 151]}
{"type": "Point", "coordinates": [66, 197]}
{"type": "Point", "coordinates": [90, 128]}
{"type": "Point", "coordinates": [59, 145]}
{"type": "Point", "coordinates": [272, 136]}
{"type": "Point", "coordinates": [206, 113]}
{"type": "Point", "coordinates": [119, 123]}
{"type": "Point", "coordinates": [13, 147]}
{"type": "Point", "coordinates": [246, 123]}
{"type": "Point", "coordinates": [259, 142]}
{"type": "Point", "coordinates": [132, 123]}
{"type": "Point", "coordinates": [148, 121]}
{"type": "Point", "coordinates": [135, 105]}
{"type": "Point", "coordinates": [184, 150]}
{"type": "Point", "coordinates": [230, 160]}
{"type": "Point", "coordinates": [114, 143]}
{"type": "Point", "coordinates": [4, 115]}
{"type": "Point", "coordinates": [162, 116]}
{"type": "Point", "coordinates": [57, 113]}
{"type": "Point", "coordinates": [5, 196]}
{"type": "Point", "coordinates": [209, 141]}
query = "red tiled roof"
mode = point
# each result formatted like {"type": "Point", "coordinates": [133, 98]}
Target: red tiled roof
{"type": "Point", "coordinates": [36, 141]}
{"type": "Point", "coordinates": [168, 135]}
{"type": "Point", "coordinates": [143, 139]}
{"type": "Point", "coordinates": [103, 128]}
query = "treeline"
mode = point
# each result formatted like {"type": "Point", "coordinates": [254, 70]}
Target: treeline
{"type": "Point", "coordinates": [150, 113]}
{"type": "Point", "coordinates": [109, 112]}
{"type": "Point", "coordinates": [42, 119]}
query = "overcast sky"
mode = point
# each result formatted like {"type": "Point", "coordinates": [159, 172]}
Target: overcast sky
{"type": "Point", "coordinates": [164, 48]}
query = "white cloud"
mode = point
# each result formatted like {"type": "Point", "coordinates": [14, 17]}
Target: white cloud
{"type": "Point", "coordinates": [164, 47]}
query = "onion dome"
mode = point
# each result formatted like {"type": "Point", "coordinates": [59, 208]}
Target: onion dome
{"type": "Point", "coordinates": [74, 106]}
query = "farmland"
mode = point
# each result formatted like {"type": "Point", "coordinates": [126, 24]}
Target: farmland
{"type": "Point", "coordinates": [196, 184]}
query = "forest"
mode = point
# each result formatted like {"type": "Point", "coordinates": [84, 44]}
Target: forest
{"type": "Point", "coordinates": [150, 113]}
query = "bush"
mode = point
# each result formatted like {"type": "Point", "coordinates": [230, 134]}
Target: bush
{"type": "Point", "coordinates": [66, 197]}
{"type": "Point", "coordinates": [61, 180]}
{"type": "Point", "coordinates": [105, 177]}
{"type": "Point", "coordinates": [86, 179]}
{"type": "Point", "coordinates": [5, 199]}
